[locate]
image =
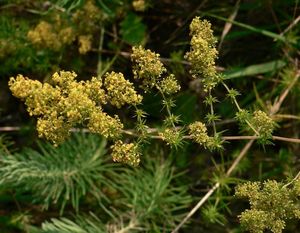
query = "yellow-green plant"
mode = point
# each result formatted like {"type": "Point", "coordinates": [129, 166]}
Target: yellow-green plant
{"type": "Point", "coordinates": [64, 102]}
{"type": "Point", "coordinates": [272, 204]}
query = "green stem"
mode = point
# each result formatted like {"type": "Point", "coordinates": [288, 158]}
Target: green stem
{"type": "Point", "coordinates": [212, 113]}
{"type": "Point", "coordinates": [99, 65]}
{"type": "Point", "coordinates": [239, 109]}
{"type": "Point", "coordinates": [167, 106]}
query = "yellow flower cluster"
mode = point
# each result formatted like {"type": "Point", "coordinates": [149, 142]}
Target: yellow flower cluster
{"type": "Point", "coordinates": [203, 53]}
{"type": "Point", "coordinates": [169, 85]}
{"type": "Point", "coordinates": [87, 21]}
{"type": "Point", "coordinates": [147, 66]}
{"type": "Point", "coordinates": [125, 153]}
{"type": "Point", "coordinates": [104, 124]}
{"type": "Point", "coordinates": [87, 17]}
{"type": "Point", "coordinates": [61, 32]}
{"type": "Point", "coordinates": [149, 69]}
{"type": "Point", "coordinates": [120, 91]}
{"type": "Point", "coordinates": [198, 132]}
{"type": "Point", "coordinates": [68, 103]}
{"type": "Point", "coordinates": [49, 36]}
{"type": "Point", "coordinates": [272, 204]}
{"type": "Point", "coordinates": [263, 124]}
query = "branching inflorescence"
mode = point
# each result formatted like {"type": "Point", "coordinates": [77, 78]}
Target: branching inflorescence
{"type": "Point", "coordinates": [65, 103]}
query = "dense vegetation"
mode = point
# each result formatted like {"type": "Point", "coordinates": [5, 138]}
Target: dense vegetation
{"type": "Point", "coordinates": [149, 116]}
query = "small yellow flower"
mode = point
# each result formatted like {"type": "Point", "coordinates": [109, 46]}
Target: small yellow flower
{"type": "Point", "coordinates": [53, 128]}
{"type": "Point", "coordinates": [43, 35]}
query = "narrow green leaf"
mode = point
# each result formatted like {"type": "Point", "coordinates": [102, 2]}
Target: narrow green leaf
{"type": "Point", "coordinates": [255, 69]}
{"type": "Point", "coordinates": [249, 27]}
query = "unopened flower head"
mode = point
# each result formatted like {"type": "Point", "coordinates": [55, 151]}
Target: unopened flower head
{"type": "Point", "coordinates": [147, 66]}
{"type": "Point", "coordinates": [126, 153]}
{"type": "Point", "coordinates": [120, 91]}
{"type": "Point", "coordinates": [169, 85]}
{"type": "Point", "coordinates": [203, 53]}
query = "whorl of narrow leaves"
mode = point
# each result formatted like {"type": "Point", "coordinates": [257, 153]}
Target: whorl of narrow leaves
{"type": "Point", "coordinates": [58, 175]}
{"type": "Point", "coordinates": [155, 199]}
{"type": "Point", "coordinates": [271, 205]}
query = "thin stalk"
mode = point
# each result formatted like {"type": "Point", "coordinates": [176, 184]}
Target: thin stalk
{"type": "Point", "coordinates": [293, 180]}
{"type": "Point", "coordinates": [99, 65]}
{"type": "Point", "coordinates": [239, 109]}
{"type": "Point", "coordinates": [212, 113]}
{"type": "Point", "coordinates": [215, 187]}
{"type": "Point", "coordinates": [167, 106]}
